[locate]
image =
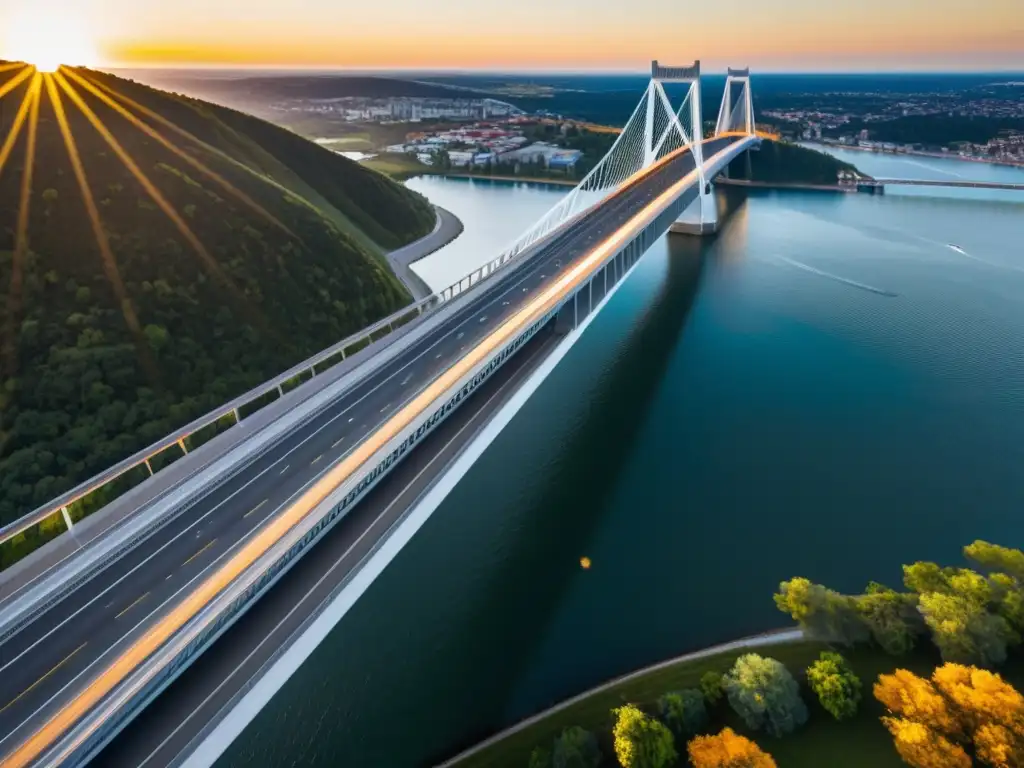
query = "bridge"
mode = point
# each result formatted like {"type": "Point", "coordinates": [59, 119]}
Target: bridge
{"type": "Point", "coordinates": [882, 182]}
{"type": "Point", "coordinates": [360, 445]}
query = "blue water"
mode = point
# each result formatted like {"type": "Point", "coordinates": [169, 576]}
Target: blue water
{"type": "Point", "coordinates": [827, 389]}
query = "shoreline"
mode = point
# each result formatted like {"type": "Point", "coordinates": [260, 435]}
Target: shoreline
{"type": "Point", "coordinates": [785, 185]}
{"type": "Point", "coordinates": [913, 153]}
{"type": "Point", "coordinates": [770, 638]}
{"type": "Point", "coordinates": [503, 177]}
{"type": "Point", "coordinates": [447, 229]}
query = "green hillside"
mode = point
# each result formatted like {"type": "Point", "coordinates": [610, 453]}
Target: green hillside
{"type": "Point", "coordinates": [276, 254]}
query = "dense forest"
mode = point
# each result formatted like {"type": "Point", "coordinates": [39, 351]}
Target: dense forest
{"type": "Point", "coordinates": [936, 130]}
{"type": "Point", "coordinates": [784, 163]}
{"type": "Point", "coordinates": [247, 249]}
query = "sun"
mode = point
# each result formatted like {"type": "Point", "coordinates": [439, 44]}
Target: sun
{"type": "Point", "coordinates": [47, 37]}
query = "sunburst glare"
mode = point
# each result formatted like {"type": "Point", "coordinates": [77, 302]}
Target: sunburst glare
{"type": "Point", "coordinates": [47, 37]}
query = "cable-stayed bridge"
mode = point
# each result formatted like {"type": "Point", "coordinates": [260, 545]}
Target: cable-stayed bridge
{"type": "Point", "coordinates": [97, 624]}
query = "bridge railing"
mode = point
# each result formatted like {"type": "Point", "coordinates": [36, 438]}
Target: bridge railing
{"type": "Point", "coordinates": [56, 517]}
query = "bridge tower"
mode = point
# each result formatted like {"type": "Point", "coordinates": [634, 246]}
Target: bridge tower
{"type": "Point", "coordinates": [736, 115]}
{"type": "Point", "coordinates": [702, 215]}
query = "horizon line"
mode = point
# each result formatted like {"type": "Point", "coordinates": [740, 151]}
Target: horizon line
{"type": "Point", "coordinates": [333, 69]}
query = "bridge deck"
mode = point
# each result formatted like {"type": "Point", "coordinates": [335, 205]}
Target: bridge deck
{"type": "Point", "coordinates": [63, 649]}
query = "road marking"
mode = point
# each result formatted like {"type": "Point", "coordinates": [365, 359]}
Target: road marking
{"type": "Point", "coordinates": [461, 334]}
{"type": "Point", "coordinates": [483, 318]}
{"type": "Point", "coordinates": [314, 461]}
{"type": "Point", "coordinates": [353, 418]}
{"type": "Point", "coordinates": [437, 356]}
{"type": "Point", "coordinates": [385, 407]}
{"type": "Point", "coordinates": [59, 664]}
{"type": "Point", "coordinates": [405, 380]}
{"type": "Point", "coordinates": [337, 442]}
{"type": "Point", "coordinates": [197, 554]}
{"type": "Point", "coordinates": [122, 613]}
{"type": "Point", "coordinates": [340, 560]}
{"type": "Point", "coordinates": [252, 510]}
{"type": "Point", "coordinates": [285, 469]}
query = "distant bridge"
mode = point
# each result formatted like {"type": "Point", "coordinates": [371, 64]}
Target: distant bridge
{"type": "Point", "coordinates": [882, 182]}
{"type": "Point", "coordinates": [95, 625]}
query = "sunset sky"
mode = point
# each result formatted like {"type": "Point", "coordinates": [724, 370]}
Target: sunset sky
{"type": "Point", "coordinates": [785, 35]}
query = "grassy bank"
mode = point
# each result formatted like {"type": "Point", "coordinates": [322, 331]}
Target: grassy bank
{"type": "Point", "coordinates": [593, 711]}
{"type": "Point", "coordinates": [854, 743]}
{"type": "Point", "coordinates": [398, 167]}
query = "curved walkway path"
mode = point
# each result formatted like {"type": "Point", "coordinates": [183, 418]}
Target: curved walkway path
{"type": "Point", "coordinates": [447, 228]}
{"type": "Point", "coordinates": [777, 637]}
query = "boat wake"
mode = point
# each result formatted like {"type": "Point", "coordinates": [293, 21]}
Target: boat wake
{"type": "Point", "coordinates": [837, 278]}
{"type": "Point", "coordinates": [986, 262]}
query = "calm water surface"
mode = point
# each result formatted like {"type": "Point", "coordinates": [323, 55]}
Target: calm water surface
{"type": "Point", "coordinates": [826, 389]}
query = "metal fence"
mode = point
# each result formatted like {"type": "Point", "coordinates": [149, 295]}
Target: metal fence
{"type": "Point", "coordinates": [61, 506]}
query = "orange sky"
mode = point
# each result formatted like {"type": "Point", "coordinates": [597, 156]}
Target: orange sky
{"type": "Point", "coordinates": [534, 34]}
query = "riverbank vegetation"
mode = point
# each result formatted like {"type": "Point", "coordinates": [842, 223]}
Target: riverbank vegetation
{"type": "Point", "coordinates": [862, 687]}
{"type": "Point", "coordinates": [196, 252]}
{"type": "Point", "coordinates": [779, 162]}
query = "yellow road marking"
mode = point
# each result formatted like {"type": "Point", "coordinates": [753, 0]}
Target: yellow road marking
{"type": "Point", "coordinates": [122, 613]}
{"type": "Point", "coordinates": [197, 554]}
{"type": "Point", "coordinates": [255, 508]}
{"type": "Point", "coordinates": [60, 664]}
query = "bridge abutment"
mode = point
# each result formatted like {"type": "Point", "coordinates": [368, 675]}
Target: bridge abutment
{"type": "Point", "coordinates": [700, 217]}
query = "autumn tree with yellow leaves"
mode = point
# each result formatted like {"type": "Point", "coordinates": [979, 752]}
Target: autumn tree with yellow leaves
{"type": "Point", "coordinates": [935, 722]}
{"type": "Point", "coordinates": [727, 749]}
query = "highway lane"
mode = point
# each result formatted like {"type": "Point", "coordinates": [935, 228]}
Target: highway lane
{"type": "Point", "coordinates": [183, 710]}
{"type": "Point", "coordinates": [48, 654]}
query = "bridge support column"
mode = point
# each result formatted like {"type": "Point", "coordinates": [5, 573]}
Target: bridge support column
{"type": "Point", "coordinates": [700, 217]}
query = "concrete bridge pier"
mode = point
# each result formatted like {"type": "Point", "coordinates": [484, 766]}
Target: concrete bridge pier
{"type": "Point", "coordinates": [700, 217]}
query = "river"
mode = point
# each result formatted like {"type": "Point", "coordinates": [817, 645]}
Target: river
{"type": "Point", "coordinates": [831, 387]}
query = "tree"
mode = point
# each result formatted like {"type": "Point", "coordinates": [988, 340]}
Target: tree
{"type": "Point", "coordinates": [642, 741]}
{"type": "Point", "coordinates": [712, 686]}
{"type": "Point", "coordinates": [964, 630]}
{"type": "Point", "coordinates": [575, 748]}
{"type": "Point", "coordinates": [905, 694]}
{"type": "Point", "coordinates": [926, 577]}
{"type": "Point", "coordinates": [727, 749]}
{"type": "Point", "coordinates": [934, 718]}
{"type": "Point", "coordinates": [765, 695]}
{"type": "Point", "coordinates": [837, 687]}
{"type": "Point", "coordinates": [539, 758]}
{"type": "Point", "coordinates": [684, 712]}
{"type": "Point", "coordinates": [989, 708]}
{"type": "Point", "coordinates": [821, 612]}
{"type": "Point", "coordinates": [996, 558]}
{"type": "Point", "coordinates": [921, 747]}
{"type": "Point", "coordinates": [891, 617]}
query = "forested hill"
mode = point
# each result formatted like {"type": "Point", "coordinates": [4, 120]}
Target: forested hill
{"type": "Point", "coordinates": [245, 249]}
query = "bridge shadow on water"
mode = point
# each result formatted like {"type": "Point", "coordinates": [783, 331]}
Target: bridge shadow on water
{"type": "Point", "coordinates": [430, 659]}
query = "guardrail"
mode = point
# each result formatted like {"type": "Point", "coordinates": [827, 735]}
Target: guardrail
{"type": "Point", "coordinates": [47, 515]}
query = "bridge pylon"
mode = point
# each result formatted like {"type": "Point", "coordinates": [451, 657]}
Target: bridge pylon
{"type": "Point", "coordinates": [736, 115]}
{"type": "Point", "coordinates": [706, 209]}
